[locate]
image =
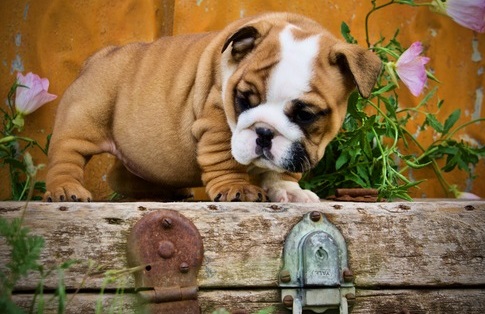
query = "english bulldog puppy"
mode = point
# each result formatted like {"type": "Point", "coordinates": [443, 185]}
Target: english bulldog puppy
{"type": "Point", "coordinates": [243, 111]}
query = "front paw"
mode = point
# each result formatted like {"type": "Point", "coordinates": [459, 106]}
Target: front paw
{"type": "Point", "coordinates": [286, 191]}
{"type": "Point", "coordinates": [67, 192]}
{"type": "Point", "coordinates": [240, 192]}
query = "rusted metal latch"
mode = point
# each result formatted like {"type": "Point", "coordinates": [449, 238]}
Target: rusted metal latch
{"type": "Point", "coordinates": [168, 249]}
{"type": "Point", "coordinates": [315, 275]}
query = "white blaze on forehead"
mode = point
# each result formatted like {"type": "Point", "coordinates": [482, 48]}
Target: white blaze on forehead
{"type": "Point", "coordinates": [291, 76]}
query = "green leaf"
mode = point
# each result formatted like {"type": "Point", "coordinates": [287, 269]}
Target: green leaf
{"type": "Point", "coordinates": [440, 103]}
{"type": "Point", "coordinates": [356, 179]}
{"type": "Point", "coordinates": [384, 89]}
{"type": "Point", "coordinates": [40, 186]}
{"type": "Point", "coordinates": [452, 119]}
{"type": "Point", "coordinates": [434, 123]}
{"type": "Point", "coordinates": [342, 160]}
{"type": "Point", "coordinates": [363, 173]}
{"type": "Point", "coordinates": [345, 30]}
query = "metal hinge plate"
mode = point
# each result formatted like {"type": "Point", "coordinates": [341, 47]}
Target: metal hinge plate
{"type": "Point", "coordinates": [315, 274]}
{"type": "Point", "coordinates": [168, 250]}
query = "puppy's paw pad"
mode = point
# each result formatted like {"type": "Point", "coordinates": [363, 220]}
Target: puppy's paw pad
{"type": "Point", "coordinates": [239, 193]}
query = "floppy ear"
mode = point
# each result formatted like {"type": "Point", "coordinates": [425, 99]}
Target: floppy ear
{"type": "Point", "coordinates": [243, 41]}
{"type": "Point", "coordinates": [363, 65]}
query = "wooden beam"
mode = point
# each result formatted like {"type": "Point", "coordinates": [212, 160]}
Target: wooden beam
{"type": "Point", "coordinates": [390, 244]}
{"type": "Point", "coordinates": [426, 257]}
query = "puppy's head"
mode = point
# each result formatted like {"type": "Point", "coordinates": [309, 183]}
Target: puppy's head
{"type": "Point", "coordinates": [286, 82]}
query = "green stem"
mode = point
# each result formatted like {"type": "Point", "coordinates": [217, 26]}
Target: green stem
{"type": "Point", "coordinates": [396, 134]}
{"type": "Point", "coordinates": [386, 50]}
{"type": "Point", "coordinates": [385, 180]}
{"type": "Point", "coordinates": [26, 187]}
{"type": "Point", "coordinates": [448, 136]}
{"type": "Point", "coordinates": [444, 184]}
{"type": "Point", "coordinates": [374, 8]}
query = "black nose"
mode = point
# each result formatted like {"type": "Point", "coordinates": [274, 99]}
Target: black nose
{"type": "Point", "coordinates": [264, 137]}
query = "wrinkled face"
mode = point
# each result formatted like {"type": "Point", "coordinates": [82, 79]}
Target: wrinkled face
{"type": "Point", "coordinates": [287, 101]}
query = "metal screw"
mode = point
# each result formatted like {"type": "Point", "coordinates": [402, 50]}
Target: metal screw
{"type": "Point", "coordinates": [184, 267]}
{"type": "Point", "coordinates": [469, 207]}
{"type": "Point", "coordinates": [285, 275]}
{"type": "Point", "coordinates": [315, 216]}
{"type": "Point", "coordinates": [288, 301]}
{"type": "Point", "coordinates": [166, 249]}
{"type": "Point", "coordinates": [167, 223]}
{"type": "Point", "coordinates": [350, 298]}
{"type": "Point", "coordinates": [348, 275]}
{"type": "Point", "coordinates": [274, 207]}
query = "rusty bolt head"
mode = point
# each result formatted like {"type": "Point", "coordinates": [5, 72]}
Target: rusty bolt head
{"type": "Point", "coordinates": [288, 301]}
{"type": "Point", "coordinates": [167, 223]}
{"type": "Point", "coordinates": [275, 207]}
{"type": "Point", "coordinates": [348, 275]}
{"type": "Point", "coordinates": [285, 275]}
{"type": "Point", "coordinates": [350, 299]}
{"type": "Point", "coordinates": [184, 267]}
{"type": "Point", "coordinates": [315, 216]}
{"type": "Point", "coordinates": [166, 249]}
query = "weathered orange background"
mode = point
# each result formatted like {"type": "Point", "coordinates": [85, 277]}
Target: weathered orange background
{"type": "Point", "coordinates": [53, 37]}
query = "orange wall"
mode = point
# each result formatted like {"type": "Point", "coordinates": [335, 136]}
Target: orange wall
{"type": "Point", "coordinates": [53, 37]}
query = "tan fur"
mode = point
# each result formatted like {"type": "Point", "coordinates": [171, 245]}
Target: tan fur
{"type": "Point", "coordinates": [160, 107]}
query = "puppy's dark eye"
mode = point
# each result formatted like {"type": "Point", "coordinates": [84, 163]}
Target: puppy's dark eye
{"type": "Point", "coordinates": [303, 115]}
{"type": "Point", "coordinates": [242, 101]}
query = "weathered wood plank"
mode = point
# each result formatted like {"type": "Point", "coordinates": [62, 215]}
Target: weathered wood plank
{"type": "Point", "coordinates": [449, 301]}
{"type": "Point", "coordinates": [421, 244]}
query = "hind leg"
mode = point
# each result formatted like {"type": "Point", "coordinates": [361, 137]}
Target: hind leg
{"type": "Point", "coordinates": [75, 138]}
{"type": "Point", "coordinates": [122, 181]}
{"type": "Point", "coordinates": [65, 176]}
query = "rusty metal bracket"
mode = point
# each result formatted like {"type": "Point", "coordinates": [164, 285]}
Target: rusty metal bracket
{"type": "Point", "coordinates": [168, 250]}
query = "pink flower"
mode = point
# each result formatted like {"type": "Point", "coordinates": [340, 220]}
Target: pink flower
{"type": "Point", "coordinates": [32, 93]}
{"type": "Point", "coordinates": [467, 13]}
{"type": "Point", "coordinates": [467, 196]}
{"type": "Point", "coordinates": [410, 68]}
